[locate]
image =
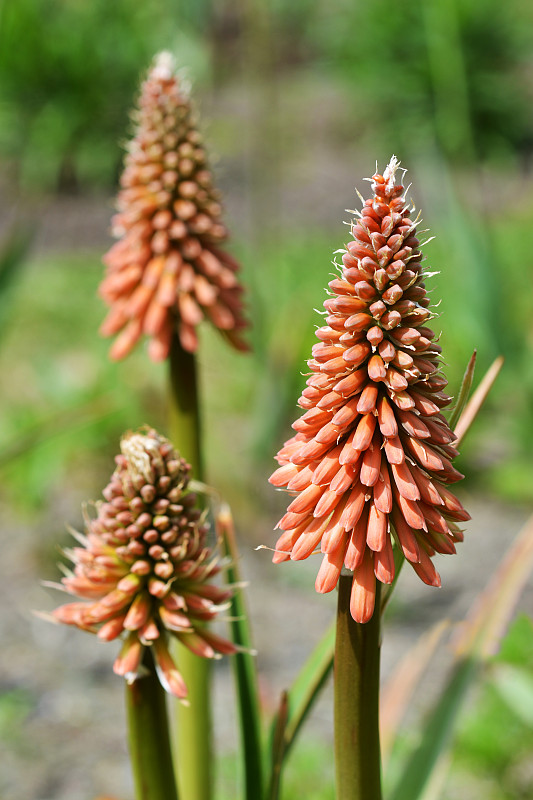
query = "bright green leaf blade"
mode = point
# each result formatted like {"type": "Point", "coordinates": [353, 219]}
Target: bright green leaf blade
{"type": "Point", "coordinates": [436, 734]}
{"type": "Point", "coordinates": [472, 408]}
{"type": "Point", "coordinates": [515, 687]}
{"type": "Point", "coordinates": [398, 691]}
{"type": "Point", "coordinates": [277, 746]}
{"type": "Point", "coordinates": [479, 638]}
{"type": "Point", "coordinates": [437, 782]}
{"type": "Point", "coordinates": [298, 703]}
{"type": "Point", "coordinates": [464, 391]}
{"type": "Point", "coordinates": [485, 625]}
{"type": "Point", "coordinates": [244, 664]}
{"type": "Point", "coordinates": [308, 684]}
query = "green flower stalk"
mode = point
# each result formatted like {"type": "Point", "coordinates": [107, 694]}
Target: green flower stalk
{"type": "Point", "coordinates": [371, 459]}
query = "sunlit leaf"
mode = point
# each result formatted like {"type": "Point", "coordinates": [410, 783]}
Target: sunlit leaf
{"type": "Point", "coordinates": [515, 687]}
{"type": "Point", "coordinates": [298, 703]}
{"type": "Point", "coordinates": [471, 410]}
{"type": "Point", "coordinates": [397, 694]}
{"type": "Point", "coordinates": [479, 637]}
{"type": "Point", "coordinates": [485, 625]}
{"type": "Point", "coordinates": [464, 391]}
{"type": "Point", "coordinates": [436, 733]}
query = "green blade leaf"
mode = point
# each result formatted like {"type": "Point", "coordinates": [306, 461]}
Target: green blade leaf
{"type": "Point", "coordinates": [464, 391]}
{"type": "Point", "coordinates": [244, 664]}
{"type": "Point", "coordinates": [437, 733]}
{"type": "Point", "coordinates": [278, 746]}
{"type": "Point", "coordinates": [479, 638]}
{"type": "Point", "coordinates": [398, 691]}
{"type": "Point", "coordinates": [296, 704]}
{"type": "Point", "coordinates": [515, 687]}
{"type": "Point", "coordinates": [487, 622]}
{"type": "Point", "coordinates": [308, 684]}
{"type": "Point", "coordinates": [471, 410]}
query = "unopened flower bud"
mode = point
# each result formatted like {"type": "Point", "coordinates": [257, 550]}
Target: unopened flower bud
{"type": "Point", "coordinates": [138, 566]}
{"type": "Point", "coordinates": [169, 230]}
{"type": "Point", "coordinates": [371, 458]}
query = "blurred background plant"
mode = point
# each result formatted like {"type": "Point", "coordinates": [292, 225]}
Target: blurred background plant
{"type": "Point", "coordinates": [301, 97]}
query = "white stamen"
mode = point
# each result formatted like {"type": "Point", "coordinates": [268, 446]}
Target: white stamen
{"type": "Point", "coordinates": [164, 66]}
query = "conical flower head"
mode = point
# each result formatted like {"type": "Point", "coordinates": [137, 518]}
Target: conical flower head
{"type": "Point", "coordinates": [168, 271]}
{"type": "Point", "coordinates": [143, 568]}
{"type": "Point", "coordinates": [371, 458]}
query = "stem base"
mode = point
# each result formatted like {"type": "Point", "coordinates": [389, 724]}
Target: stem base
{"type": "Point", "coordinates": [356, 701]}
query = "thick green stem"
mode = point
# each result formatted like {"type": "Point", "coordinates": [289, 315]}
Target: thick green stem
{"type": "Point", "coordinates": [356, 688]}
{"type": "Point", "coordinates": [149, 739]}
{"type": "Point", "coordinates": [184, 410]}
{"type": "Point", "coordinates": [193, 747]}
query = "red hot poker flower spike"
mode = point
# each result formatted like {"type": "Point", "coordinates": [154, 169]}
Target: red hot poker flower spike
{"type": "Point", "coordinates": [168, 270]}
{"type": "Point", "coordinates": [372, 453]}
{"type": "Point", "coordinates": [143, 570]}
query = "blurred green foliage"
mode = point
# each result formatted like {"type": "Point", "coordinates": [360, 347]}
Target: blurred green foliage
{"type": "Point", "coordinates": [15, 706]}
{"type": "Point", "coordinates": [65, 404]}
{"type": "Point", "coordinates": [68, 72]}
{"type": "Point", "coordinates": [456, 75]}
{"type": "Point", "coordinates": [495, 740]}
{"type": "Point", "coordinates": [452, 73]}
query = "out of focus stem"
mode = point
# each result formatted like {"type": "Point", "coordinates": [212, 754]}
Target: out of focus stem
{"type": "Point", "coordinates": [184, 407]}
{"type": "Point", "coordinates": [193, 746]}
{"type": "Point", "coordinates": [356, 700]}
{"type": "Point", "coordinates": [149, 739]}
{"type": "Point", "coordinates": [244, 666]}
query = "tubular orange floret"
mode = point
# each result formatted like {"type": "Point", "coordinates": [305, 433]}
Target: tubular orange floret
{"type": "Point", "coordinates": [372, 454]}
{"type": "Point", "coordinates": [144, 572]}
{"type": "Point", "coordinates": [167, 272]}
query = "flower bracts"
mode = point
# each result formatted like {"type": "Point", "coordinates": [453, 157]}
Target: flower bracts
{"type": "Point", "coordinates": [167, 271]}
{"type": "Point", "coordinates": [143, 568]}
{"type": "Point", "coordinates": [372, 453]}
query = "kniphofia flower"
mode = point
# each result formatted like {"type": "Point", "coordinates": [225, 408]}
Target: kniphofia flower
{"type": "Point", "coordinates": [143, 568]}
{"type": "Point", "coordinates": [168, 270]}
{"type": "Point", "coordinates": [371, 457]}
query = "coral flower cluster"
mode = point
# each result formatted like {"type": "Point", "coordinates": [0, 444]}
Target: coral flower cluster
{"type": "Point", "coordinates": [143, 568]}
{"type": "Point", "coordinates": [371, 457]}
{"type": "Point", "coordinates": [167, 271]}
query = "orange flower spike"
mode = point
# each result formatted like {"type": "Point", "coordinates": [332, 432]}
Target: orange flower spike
{"type": "Point", "coordinates": [372, 454]}
{"type": "Point", "coordinates": [144, 571]}
{"type": "Point", "coordinates": [167, 271]}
